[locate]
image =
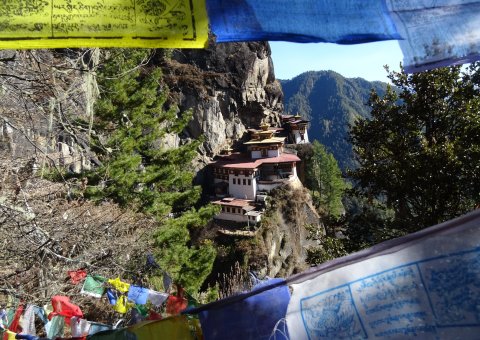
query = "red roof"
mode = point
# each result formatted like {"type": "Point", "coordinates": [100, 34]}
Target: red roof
{"type": "Point", "coordinates": [234, 202]}
{"type": "Point", "coordinates": [240, 161]}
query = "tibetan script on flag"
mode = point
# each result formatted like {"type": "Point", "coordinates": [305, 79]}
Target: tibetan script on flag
{"type": "Point", "coordinates": [424, 285]}
{"type": "Point", "coordinates": [103, 23]}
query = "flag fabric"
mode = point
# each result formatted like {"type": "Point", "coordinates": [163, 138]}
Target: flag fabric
{"type": "Point", "coordinates": [423, 285]}
{"type": "Point", "coordinates": [94, 286]}
{"type": "Point", "coordinates": [113, 23]}
{"type": "Point", "coordinates": [138, 294]}
{"type": "Point", "coordinates": [437, 33]}
{"type": "Point", "coordinates": [76, 276]}
{"type": "Point", "coordinates": [431, 33]}
{"type": "Point", "coordinates": [342, 21]}
{"type": "Point", "coordinates": [64, 307]}
{"type": "Point", "coordinates": [254, 317]}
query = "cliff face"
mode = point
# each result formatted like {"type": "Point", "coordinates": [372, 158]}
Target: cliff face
{"type": "Point", "coordinates": [229, 88]}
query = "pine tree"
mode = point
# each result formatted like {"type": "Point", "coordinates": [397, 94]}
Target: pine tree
{"type": "Point", "coordinates": [325, 180]}
{"type": "Point", "coordinates": [139, 171]}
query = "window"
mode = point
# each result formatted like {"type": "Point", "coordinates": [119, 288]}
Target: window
{"type": "Point", "coordinates": [249, 182]}
{"type": "Point", "coordinates": [228, 209]}
{"type": "Point", "coordinates": [244, 181]}
{"type": "Point", "coordinates": [234, 181]}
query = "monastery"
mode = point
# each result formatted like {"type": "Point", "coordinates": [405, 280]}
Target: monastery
{"type": "Point", "coordinates": [243, 180]}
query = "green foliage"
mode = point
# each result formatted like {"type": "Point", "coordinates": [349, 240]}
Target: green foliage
{"type": "Point", "coordinates": [324, 178]}
{"type": "Point", "coordinates": [419, 153]}
{"type": "Point", "coordinates": [329, 247]}
{"type": "Point", "coordinates": [133, 122]}
{"type": "Point", "coordinates": [188, 264]}
{"type": "Point", "coordinates": [138, 170]}
{"type": "Point", "coordinates": [367, 223]}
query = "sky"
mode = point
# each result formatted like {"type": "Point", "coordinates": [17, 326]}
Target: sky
{"type": "Point", "coordinates": [363, 60]}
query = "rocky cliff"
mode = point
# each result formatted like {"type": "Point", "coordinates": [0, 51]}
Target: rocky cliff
{"type": "Point", "coordinates": [229, 87]}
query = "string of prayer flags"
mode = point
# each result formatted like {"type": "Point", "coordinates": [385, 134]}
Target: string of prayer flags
{"type": "Point", "coordinates": [94, 286]}
{"type": "Point", "coordinates": [114, 23]}
{"type": "Point", "coordinates": [431, 33]}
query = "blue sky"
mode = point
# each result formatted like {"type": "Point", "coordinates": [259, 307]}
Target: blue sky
{"type": "Point", "coordinates": [364, 60]}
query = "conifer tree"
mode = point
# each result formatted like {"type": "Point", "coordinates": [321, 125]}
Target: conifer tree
{"type": "Point", "coordinates": [139, 171]}
{"type": "Point", "coordinates": [325, 180]}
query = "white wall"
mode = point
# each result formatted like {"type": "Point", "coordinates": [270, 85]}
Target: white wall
{"type": "Point", "coordinates": [268, 187]}
{"type": "Point", "coordinates": [242, 191]}
{"type": "Point", "coordinates": [231, 217]}
{"type": "Point", "coordinates": [238, 218]}
{"type": "Point", "coordinates": [298, 138]}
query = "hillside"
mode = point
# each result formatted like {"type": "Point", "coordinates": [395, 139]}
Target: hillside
{"type": "Point", "coordinates": [332, 103]}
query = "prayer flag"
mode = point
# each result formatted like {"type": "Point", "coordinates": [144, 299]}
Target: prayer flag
{"type": "Point", "coordinates": [138, 294]}
{"type": "Point", "coordinates": [76, 276]}
{"type": "Point", "coordinates": [113, 23]}
{"type": "Point", "coordinates": [254, 317]}
{"type": "Point", "coordinates": [341, 21]}
{"type": "Point", "coordinates": [438, 33]}
{"type": "Point", "coordinates": [94, 286]}
{"type": "Point", "coordinates": [423, 285]}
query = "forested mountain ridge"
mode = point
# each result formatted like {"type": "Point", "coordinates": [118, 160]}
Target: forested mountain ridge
{"type": "Point", "coordinates": [332, 103]}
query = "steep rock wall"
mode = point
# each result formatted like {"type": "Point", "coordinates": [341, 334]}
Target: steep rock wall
{"type": "Point", "coordinates": [229, 88]}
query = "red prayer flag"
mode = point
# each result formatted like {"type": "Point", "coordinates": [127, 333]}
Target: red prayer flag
{"type": "Point", "coordinates": [62, 306]}
{"type": "Point", "coordinates": [176, 304]}
{"type": "Point", "coordinates": [76, 276]}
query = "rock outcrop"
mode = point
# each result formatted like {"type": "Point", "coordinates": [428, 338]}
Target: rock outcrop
{"type": "Point", "coordinates": [229, 88]}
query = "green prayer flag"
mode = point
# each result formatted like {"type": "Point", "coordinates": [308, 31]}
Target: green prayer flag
{"type": "Point", "coordinates": [93, 286]}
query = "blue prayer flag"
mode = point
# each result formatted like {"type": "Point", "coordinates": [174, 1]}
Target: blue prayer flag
{"type": "Point", "coordinates": [138, 294]}
{"type": "Point", "coordinates": [255, 317]}
{"type": "Point", "coordinates": [340, 21]}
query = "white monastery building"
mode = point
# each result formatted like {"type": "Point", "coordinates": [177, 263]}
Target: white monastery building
{"type": "Point", "coordinates": [242, 180]}
{"type": "Point", "coordinates": [296, 129]}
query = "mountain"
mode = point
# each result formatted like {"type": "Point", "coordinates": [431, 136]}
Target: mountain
{"type": "Point", "coordinates": [332, 103]}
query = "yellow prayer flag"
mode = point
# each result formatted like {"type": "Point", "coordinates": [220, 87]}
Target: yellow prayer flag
{"type": "Point", "coordinates": [26, 24]}
{"type": "Point", "coordinates": [119, 285]}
